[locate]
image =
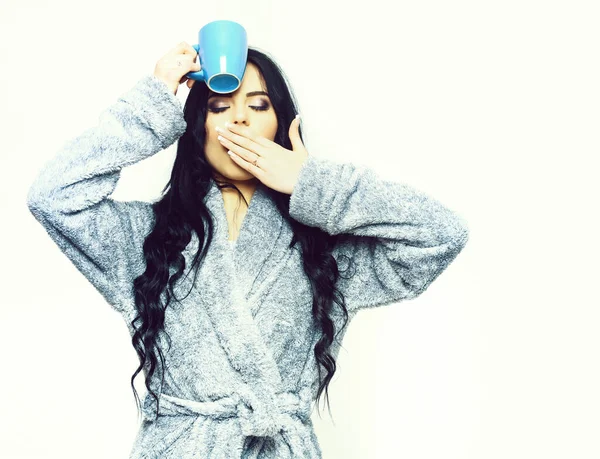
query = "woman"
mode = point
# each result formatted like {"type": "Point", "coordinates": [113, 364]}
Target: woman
{"type": "Point", "coordinates": [238, 284]}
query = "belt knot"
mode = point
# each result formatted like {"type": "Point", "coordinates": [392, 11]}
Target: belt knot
{"type": "Point", "coordinates": [268, 418]}
{"type": "Point", "coordinates": [256, 416]}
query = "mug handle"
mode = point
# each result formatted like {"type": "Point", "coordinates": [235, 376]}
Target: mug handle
{"type": "Point", "coordinates": [199, 75]}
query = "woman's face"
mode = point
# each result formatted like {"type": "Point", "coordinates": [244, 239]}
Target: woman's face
{"type": "Point", "coordinates": [254, 112]}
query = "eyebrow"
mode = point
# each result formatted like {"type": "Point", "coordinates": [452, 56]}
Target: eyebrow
{"type": "Point", "coordinates": [248, 94]}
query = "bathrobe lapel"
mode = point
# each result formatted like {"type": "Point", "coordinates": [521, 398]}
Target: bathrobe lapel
{"type": "Point", "coordinates": [231, 285]}
{"type": "Point", "coordinates": [230, 289]}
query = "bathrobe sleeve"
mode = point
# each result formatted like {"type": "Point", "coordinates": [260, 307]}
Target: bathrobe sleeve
{"type": "Point", "coordinates": [397, 240]}
{"type": "Point", "coordinates": [70, 195]}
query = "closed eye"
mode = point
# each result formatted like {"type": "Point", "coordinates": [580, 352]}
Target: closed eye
{"type": "Point", "coordinates": [260, 108]}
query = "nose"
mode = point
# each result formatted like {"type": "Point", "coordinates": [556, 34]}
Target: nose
{"type": "Point", "coordinates": [240, 116]}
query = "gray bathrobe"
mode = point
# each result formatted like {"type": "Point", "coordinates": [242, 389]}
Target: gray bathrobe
{"type": "Point", "coordinates": [241, 375]}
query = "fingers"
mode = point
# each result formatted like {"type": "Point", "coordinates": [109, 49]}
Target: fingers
{"type": "Point", "coordinates": [297, 122]}
{"type": "Point", "coordinates": [241, 132]}
{"type": "Point", "coordinates": [185, 48]}
{"type": "Point", "coordinates": [188, 54]}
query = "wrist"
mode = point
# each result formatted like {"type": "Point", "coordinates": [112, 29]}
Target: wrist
{"type": "Point", "coordinates": [172, 88]}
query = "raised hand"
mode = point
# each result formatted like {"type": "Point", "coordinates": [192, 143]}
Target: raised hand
{"type": "Point", "coordinates": [275, 166]}
{"type": "Point", "coordinates": [173, 66]}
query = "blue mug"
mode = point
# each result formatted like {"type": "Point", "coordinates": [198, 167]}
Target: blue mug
{"type": "Point", "coordinates": [223, 52]}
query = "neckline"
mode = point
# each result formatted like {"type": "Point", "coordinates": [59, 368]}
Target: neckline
{"type": "Point", "coordinates": [249, 215]}
{"type": "Point", "coordinates": [259, 231]}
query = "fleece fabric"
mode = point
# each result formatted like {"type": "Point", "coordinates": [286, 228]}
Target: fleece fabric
{"type": "Point", "coordinates": [241, 376]}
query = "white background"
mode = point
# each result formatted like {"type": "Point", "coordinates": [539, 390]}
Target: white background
{"type": "Point", "coordinates": [491, 107]}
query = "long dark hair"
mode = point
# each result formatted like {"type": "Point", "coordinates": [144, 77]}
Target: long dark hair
{"type": "Point", "coordinates": [182, 210]}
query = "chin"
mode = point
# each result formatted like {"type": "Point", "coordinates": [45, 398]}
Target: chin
{"type": "Point", "coordinates": [228, 169]}
{"type": "Point", "coordinates": [234, 172]}
{"type": "Point", "coordinates": [241, 175]}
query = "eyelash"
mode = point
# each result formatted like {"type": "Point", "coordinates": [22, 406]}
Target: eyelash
{"type": "Point", "coordinates": [221, 109]}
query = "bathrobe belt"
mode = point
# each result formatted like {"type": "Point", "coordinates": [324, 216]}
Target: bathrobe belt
{"type": "Point", "coordinates": [287, 419]}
